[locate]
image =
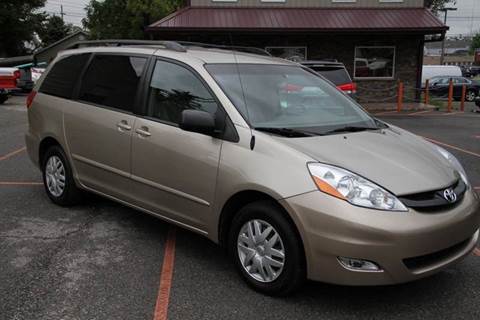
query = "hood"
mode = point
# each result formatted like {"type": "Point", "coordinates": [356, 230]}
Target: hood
{"type": "Point", "coordinates": [392, 158]}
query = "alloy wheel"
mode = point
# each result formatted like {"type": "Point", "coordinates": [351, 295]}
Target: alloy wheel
{"type": "Point", "coordinates": [55, 176]}
{"type": "Point", "coordinates": [260, 250]}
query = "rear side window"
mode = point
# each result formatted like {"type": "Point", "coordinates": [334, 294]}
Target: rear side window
{"type": "Point", "coordinates": [112, 81]}
{"type": "Point", "coordinates": [61, 79]}
{"type": "Point", "coordinates": [336, 75]}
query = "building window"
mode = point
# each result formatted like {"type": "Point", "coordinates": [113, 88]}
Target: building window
{"type": "Point", "coordinates": [374, 62]}
{"type": "Point", "coordinates": [289, 53]}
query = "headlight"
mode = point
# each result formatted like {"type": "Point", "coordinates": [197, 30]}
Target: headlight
{"type": "Point", "coordinates": [348, 186]}
{"type": "Point", "coordinates": [454, 162]}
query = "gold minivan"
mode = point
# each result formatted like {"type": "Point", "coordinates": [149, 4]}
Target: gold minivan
{"type": "Point", "coordinates": [259, 154]}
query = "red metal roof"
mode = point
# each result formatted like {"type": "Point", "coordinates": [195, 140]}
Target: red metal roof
{"type": "Point", "coordinates": [301, 19]}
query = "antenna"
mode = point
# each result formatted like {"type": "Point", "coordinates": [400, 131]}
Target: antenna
{"type": "Point", "coordinates": [252, 140]}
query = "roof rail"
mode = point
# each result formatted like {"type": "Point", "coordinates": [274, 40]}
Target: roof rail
{"type": "Point", "coordinates": [226, 47]}
{"type": "Point", "coordinates": [170, 45]}
{"type": "Point", "coordinates": [179, 46]}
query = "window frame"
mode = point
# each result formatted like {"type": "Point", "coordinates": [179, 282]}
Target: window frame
{"type": "Point", "coordinates": [374, 78]}
{"type": "Point", "coordinates": [229, 132]}
{"type": "Point", "coordinates": [138, 95]}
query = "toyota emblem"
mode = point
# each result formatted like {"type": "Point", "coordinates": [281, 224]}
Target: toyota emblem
{"type": "Point", "coordinates": [450, 195]}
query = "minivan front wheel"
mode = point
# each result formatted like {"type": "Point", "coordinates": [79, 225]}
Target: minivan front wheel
{"type": "Point", "coordinates": [58, 178]}
{"type": "Point", "coordinates": [266, 249]}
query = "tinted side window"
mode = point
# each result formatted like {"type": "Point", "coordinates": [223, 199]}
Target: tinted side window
{"type": "Point", "coordinates": [60, 81]}
{"type": "Point", "coordinates": [112, 81]}
{"type": "Point", "coordinates": [173, 89]}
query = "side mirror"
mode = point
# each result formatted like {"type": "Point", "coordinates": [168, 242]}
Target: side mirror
{"type": "Point", "coordinates": [197, 121]}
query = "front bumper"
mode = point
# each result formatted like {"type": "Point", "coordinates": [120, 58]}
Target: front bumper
{"type": "Point", "coordinates": [331, 228]}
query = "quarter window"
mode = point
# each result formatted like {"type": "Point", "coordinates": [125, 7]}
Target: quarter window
{"type": "Point", "coordinates": [61, 79]}
{"type": "Point", "coordinates": [374, 62]}
{"type": "Point", "coordinates": [112, 81]}
{"type": "Point", "coordinates": [174, 88]}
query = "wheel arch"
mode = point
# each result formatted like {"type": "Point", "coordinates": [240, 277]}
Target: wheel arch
{"type": "Point", "coordinates": [45, 144]}
{"type": "Point", "coordinates": [241, 199]}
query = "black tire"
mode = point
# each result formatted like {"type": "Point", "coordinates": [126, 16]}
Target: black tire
{"type": "Point", "coordinates": [3, 98]}
{"type": "Point", "coordinates": [71, 194]}
{"type": "Point", "coordinates": [293, 273]}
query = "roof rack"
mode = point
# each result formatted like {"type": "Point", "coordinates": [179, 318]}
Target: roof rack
{"type": "Point", "coordinates": [225, 47]}
{"type": "Point", "coordinates": [170, 45]}
{"type": "Point", "coordinates": [179, 46]}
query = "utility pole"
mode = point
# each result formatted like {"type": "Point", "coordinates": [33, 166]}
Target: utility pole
{"type": "Point", "coordinates": [442, 57]}
{"type": "Point", "coordinates": [61, 13]}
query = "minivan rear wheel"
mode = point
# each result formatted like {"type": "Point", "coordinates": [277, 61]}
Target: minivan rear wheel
{"type": "Point", "coordinates": [58, 178]}
{"type": "Point", "coordinates": [266, 249]}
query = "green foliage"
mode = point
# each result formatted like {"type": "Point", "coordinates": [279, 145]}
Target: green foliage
{"type": "Point", "coordinates": [18, 21]}
{"type": "Point", "coordinates": [436, 5]}
{"type": "Point", "coordinates": [53, 29]}
{"type": "Point", "coordinates": [125, 19]}
{"type": "Point", "coordinates": [475, 43]}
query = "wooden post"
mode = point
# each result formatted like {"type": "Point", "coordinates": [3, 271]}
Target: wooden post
{"type": "Point", "coordinates": [462, 101]}
{"type": "Point", "coordinates": [400, 96]}
{"type": "Point", "coordinates": [427, 97]}
{"type": "Point", "coordinates": [450, 96]}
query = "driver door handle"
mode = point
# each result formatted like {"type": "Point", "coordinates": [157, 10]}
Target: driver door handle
{"type": "Point", "coordinates": [143, 131]}
{"type": "Point", "coordinates": [123, 125]}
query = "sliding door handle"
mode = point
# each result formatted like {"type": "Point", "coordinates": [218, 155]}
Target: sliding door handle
{"type": "Point", "coordinates": [143, 131]}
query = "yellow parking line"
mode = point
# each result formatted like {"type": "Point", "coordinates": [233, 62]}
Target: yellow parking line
{"type": "Point", "coordinates": [20, 183]}
{"type": "Point", "coordinates": [385, 112]}
{"type": "Point", "coordinates": [452, 113]}
{"type": "Point", "coordinates": [11, 154]}
{"type": "Point", "coordinates": [453, 147]}
{"type": "Point", "coordinates": [419, 112]}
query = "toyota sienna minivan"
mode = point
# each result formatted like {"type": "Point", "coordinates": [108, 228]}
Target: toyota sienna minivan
{"type": "Point", "coordinates": [259, 154]}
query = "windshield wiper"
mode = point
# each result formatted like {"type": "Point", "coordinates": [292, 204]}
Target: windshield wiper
{"type": "Point", "coordinates": [351, 129]}
{"type": "Point", "coordinates": [287, 132]}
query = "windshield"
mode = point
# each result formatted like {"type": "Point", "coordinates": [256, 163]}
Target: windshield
{"type": "Point", "coordinates": [279, 96]}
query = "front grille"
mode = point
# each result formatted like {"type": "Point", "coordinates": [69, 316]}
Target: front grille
{"type": "Point", "coordinates": [425, 261]}
{"type": "Point", "coordinates": [434, 200]}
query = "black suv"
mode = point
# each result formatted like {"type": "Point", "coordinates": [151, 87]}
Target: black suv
{"type": "Point", "coordinates": [335, 72]}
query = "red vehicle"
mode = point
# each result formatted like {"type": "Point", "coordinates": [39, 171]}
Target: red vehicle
{"type": "Point", "coordinates": [8, 82]}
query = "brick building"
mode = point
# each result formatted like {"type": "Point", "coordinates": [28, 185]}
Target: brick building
{"type": "Point", "coordinates": [379, 41]}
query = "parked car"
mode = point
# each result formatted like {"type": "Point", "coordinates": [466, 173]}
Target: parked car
{"type": "Point", "coordinates": [470, 71]}
{"type": "Point", "coordinates": [8, 82]}
{"type": "Point", "coordinates": [439, 87]}
{"type": "Point", "coordinates": [37, 73]}
{"type": "Point", "coordinates": [431, 71]}
{"type": "Point", "coordinates": [474, 71]}
{"type": "Point", "coordinates": [477, 103]}
{"type": "Point", "coordinates": [296, 184]}
{"type": "Point", "coordinates": [336, 73]}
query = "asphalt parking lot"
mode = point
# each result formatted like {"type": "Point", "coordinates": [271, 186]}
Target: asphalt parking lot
{"type": "Point", "coordinates": [102, 260]}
